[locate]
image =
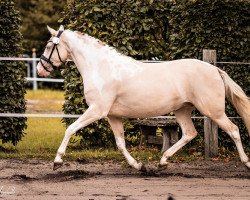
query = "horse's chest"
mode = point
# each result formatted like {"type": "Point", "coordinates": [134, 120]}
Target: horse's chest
{"type": "Point", "coordinates": [93, 82]}
{"type": "Point", "coordinates": [97, 81]}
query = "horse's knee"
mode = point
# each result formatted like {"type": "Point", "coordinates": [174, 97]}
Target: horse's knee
{"type": "Point", "coordinates": [187, 137]}
{"type": "Point", "coordinates": [235, 134]}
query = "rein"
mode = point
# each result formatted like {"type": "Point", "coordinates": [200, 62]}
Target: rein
{"type": "Point", "coordinates": [55, 41]}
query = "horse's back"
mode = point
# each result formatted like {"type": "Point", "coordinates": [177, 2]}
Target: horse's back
{"type": "Point", "coordinates": [182, 77]}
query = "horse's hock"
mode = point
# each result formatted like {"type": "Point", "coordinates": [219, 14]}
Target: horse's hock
{"type": "Point", "coordinates": [148, 127]}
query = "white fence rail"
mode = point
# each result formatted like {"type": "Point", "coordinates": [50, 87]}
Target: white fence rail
{"type": "Point", "coordinates": [54, 115]}
{"type": "Point", "coordinates": [54, 80]}
{"type": "Point", "coordinates": [34, 79]}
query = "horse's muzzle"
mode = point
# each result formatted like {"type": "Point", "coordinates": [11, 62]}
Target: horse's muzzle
{"type": "Point", "coordinates": [41, 71]}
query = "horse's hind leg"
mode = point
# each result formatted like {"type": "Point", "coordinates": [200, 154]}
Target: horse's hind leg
{"type": "Point", "coordinates": [117, 127]}
{"type": "Point", "coordinates": [183, 117]}
{"type": "Point", "coordinates": [233, 131]}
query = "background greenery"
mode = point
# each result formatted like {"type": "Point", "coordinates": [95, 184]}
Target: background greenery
{"type": "Point", "coordinates": [167, 30]}
{"type": "Point", "coordinates": [11, 74]}
{"type": "Point", "coordinates": [35, 15]}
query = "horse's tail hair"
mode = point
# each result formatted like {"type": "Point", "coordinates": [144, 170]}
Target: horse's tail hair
{"type": "Point", "coordinates": [237, 97]}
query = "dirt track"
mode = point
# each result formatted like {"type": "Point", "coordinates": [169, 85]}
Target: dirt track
{"type": "Point", "coordinates": [34, 179]}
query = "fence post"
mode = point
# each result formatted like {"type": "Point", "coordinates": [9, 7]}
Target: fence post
{"type": "Point", "coordinates": [34, 69]}
{"type": "Point", "coordinates": [210, 128]}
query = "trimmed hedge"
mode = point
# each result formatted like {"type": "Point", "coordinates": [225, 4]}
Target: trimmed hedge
{"type": "Point", "coordinates": [137, 28]}
{"type": "Point", "coordinates": [11, 74]}
{"type": "Point", "coordinates": [167, 30]}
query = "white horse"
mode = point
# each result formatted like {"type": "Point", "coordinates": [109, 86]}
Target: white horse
{"type": "Point", "coordinates": [117, 86]}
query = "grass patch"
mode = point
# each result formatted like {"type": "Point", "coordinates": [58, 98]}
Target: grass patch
{"type": "Point", "coordinates": [57, 95]}
{"type": "Point", "coordinates": [43, 107]}
{"type": "Point", "coordinates": [44, 100]}
{"type": "Point", "coordinates": [43, 137]}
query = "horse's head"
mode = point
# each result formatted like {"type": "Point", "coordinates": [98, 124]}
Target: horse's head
{"type": "Point", "coordinates": [55, 53]}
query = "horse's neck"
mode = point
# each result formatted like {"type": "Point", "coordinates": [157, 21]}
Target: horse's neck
{"type": "Point", "coordinates": [90, 54]}
{"type": "Point", "coordinates": [76, 51]}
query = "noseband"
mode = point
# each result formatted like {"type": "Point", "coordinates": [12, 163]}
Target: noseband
{"type": "Point", "coordinates": [55, 41]}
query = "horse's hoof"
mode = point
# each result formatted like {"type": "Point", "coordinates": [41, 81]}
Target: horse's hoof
{"type": "Point", "coordinates": [162, 167]}
{"type": "Point", "coordinates": [143, 168]}
{"type": "Point", "coordinates": [57, 165]}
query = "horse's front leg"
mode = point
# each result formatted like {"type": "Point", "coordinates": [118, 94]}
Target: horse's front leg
{"type": "Point", "coordinates": [92, 114]}
{"type": "Point", "coordinates": [117, 127]}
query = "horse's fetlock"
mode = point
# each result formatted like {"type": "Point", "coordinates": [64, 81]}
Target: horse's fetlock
{"type": "Point", "coordinates": [245, 159]}
{"type": "Point", "coordinates": [247, 165]}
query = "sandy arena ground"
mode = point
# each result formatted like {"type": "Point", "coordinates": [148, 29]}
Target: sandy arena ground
{"type": "Point", "coordinates": [34, 179]}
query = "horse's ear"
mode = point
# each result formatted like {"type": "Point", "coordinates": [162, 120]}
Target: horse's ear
{"type": "Point", "coordinates": [51, 30]}
{"type": "Point", "coordinates": [61, 28]}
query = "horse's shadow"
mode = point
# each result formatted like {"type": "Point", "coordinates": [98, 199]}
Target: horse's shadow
{"type": "Point", "coordinates": [69, 175]}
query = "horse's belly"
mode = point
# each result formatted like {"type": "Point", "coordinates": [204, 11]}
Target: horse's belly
{"type": "Point", "coordinates": [144, 107]}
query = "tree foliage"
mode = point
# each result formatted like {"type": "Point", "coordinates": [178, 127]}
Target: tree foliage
{"type": "Point", "coordinates": [211, 24]}
{"type": "Point", "coordinates": [11, 75]}
{"type": "Point", "coordinates": [35, 15]}
{"type": "Point", "coordinates": [166, 29]}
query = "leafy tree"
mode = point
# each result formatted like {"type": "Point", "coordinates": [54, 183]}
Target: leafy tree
{"type": "Point", "coordinates": [11, 74]}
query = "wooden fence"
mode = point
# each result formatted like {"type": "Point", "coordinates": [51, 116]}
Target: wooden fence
{"type": "Point", "coordinates": [210, 128]}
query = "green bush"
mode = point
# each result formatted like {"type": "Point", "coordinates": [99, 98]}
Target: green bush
{"type": "Point", "coordinates": [11, 74]}
{"type": "Point", "coordinates": [166, 29]}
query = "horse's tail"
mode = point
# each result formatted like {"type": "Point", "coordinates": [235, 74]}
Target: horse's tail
{"type": "Point", "coordinates": [237, 97]}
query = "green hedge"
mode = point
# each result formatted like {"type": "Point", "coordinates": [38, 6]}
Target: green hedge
{"type": "Point", "coordinates": [136, 28]}
{"type": "Point", "coordinates": [11, 74]}
{"type": "Point", "coordinates": [222, 25]}
{"type": "Point", "coordinates": [165, 29]}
